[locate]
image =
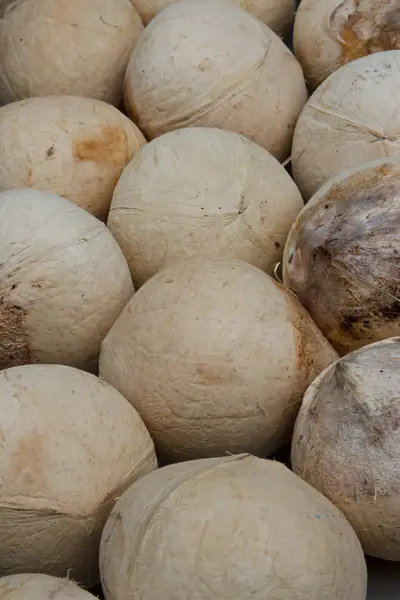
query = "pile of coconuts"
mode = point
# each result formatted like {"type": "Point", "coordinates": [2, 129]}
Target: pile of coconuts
{"type": "Point", "coordinates": [199, 299]}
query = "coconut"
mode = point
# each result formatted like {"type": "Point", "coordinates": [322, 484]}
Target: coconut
{"type": "Point", "coordinates": [342, 256]}
{"type": "Point", "coordinates": [34, 586]}
{"type": "Point", "coordinates": [63, 281]}
{"type": "Point", "coordinates": [351, 119]}
{"type": "Point", "coordinates": [213, 193]}
{"type": "Point", "coordinates": [55, 47]}
{"type": "Point", "coordinates": [277, 14]}
{"type": "Point", "coordinates": [215, 356]}
{"type": "Point", "coordinates": [347, 443]}
{"type": "Point", "coordinates": [209, 63]}
{"type": "Point", "coordinates": [75, 147]}
{"type": "Point", "coordinates": [225, 528]}
{"type": "Point", "coordinates": [71, 444]}
{"type": "Point", "coordinates": [330, 33]}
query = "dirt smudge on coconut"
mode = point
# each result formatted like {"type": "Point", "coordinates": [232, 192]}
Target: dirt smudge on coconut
{"type": "Point", "coordinates": [14, 344]}
{"type": "Point", "coordinates": [109, 146]}
{"type": "Point", "coordinates": [27, 461]}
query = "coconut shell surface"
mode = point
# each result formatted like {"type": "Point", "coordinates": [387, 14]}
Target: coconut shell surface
{"type": "Point", "coordinates": [71, 444]}
{"type": "Point", "coordinates": [215, 355]}
{"type": "Point", "coordinates": [225, 528]}
{"type": "Point", "coordinates": [75, 147]}
{"type": "Point", "coordinates": [342, 256]}
{"type": "Point", "coordinates": [351, 119]}
{"type": "Point", "coordinates": [346, 443]}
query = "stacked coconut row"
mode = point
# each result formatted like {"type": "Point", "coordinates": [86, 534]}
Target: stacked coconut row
{"type": "Point", "coordinates": [164, 291]}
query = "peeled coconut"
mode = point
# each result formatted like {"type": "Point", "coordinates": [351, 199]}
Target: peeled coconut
{"type": "Point", "coordinates": [34, 586]}
{"type": "Point", "coordinates": [352, 118]}
{"type": "Point", "coordinates": [226, 528]}
{"type": "Point", "coordinates": [202, 192]}
{"type": "Point", "coordinates": [71, 444]}
{"type": "Point", "coordinates": [76, 147]}
{"type": "Point", "coordinates": [215, 356]}
{"type": "Point", "coordinates": [63, 281]}
{"type": "Point", "coordinates": [208, 63]}
{"type": "Point", "coordinates": [342, 256]}
{"type": "Point", "coordinates": [347, 443]}
{"type": "Point", "coordinates": [330, 33]}
{"type": "Point", "coordinates": [79, 48]}
{"type": "Point", "coordinates": [277, 14]}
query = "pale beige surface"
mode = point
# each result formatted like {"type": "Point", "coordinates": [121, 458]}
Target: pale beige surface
{"type": "Point", "coordinates": [342, 255]}
{"type": "Point", "coordinates": [70, 445]}
{"type": "Point", "coordinates": [330, 33]}
{"type": "Point", "coordinates": [352, 118]}
{"type": "Point", "coordinates": [75, 147]}
{"type": "Point", "coordinates": [64, 280]}
{"type": "Point", "coordinates": [215, 355]}
{"type": "Point", "coordinates": [277, 14]}
{"type": "Point", "coordinates": [57, 47]}
{"type": "Point", "coordinates": [209, 63]}
{"type": "Point", "coordinates": [202, 192]}
{"type": "Point", "coordinates": [229, 528]}
{"type": "Point", "coordinates": [32, 586]}
{"type": "Point", "coordinates": [346, 443]}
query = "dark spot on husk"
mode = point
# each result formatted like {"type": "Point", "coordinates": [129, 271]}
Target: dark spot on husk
{"type": "Point", "coordinates": [14, 344]}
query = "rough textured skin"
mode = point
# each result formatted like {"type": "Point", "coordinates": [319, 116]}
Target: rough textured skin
{"type": "Point", "coordinates": [75, 147]}
{"type": "Point", "coordinates": [215, 356]}
{"type": "Point", "coordinates": [202, 192]}
{"type": "Point", "coordinates": [331, 33]}
{"type": "Point", "coordinates": [277, 14]}
{"type": "Point", "coordinates": [228, 528]}
{"type": "Point", "coordinates": [347, 443]}
{"type": "Point", "coordinates": [52, 47]}
{"type": "Point", "coordinates": [208, 63]}
{"type": "Point", "coordinates": [342, 256]}
{"type": "Point", "coordinates": [352, 118]}
{"type": "Point", "coordinates": [70, 445]}
{"type": "Point", "coordinates": [63, 281]}
{"type": "Point", "coordinates": [33, 586]}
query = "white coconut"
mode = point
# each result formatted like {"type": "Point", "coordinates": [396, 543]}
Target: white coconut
{"type": "Point", "coordinates": [277, 14]}
{"type": "Point", "coordinates": [63, 281]}
{"type": "Point", "coordinates": [78, 48]}
{"type": "Point", "coordinates": [352, 118]}
{"type": "Point", "coordinates": [347, 443]}
{"type": "Point", "coordinates": [215, 356]}
{"type": "Point", "coordinates": [342, 256]}
{"type": "Point", "coordinates": [330, 33]}
{"type": "Point", "coordinates": [75, 147]}
{"type": "Point", "coordinates": [227, 528]}
{"type": "Point", "coordinates": [202, 192]}
{"type": "Point", "coordinates": [209, 63]}
{"type": "Point", "coordinates": [70, 445]}
{"type": "Point", "coordinates": [34, 586]}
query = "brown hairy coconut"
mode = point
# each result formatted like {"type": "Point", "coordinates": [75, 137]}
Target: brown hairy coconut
{"type": "Point", "coordinates": [330, 33]}
{"type": "Point", "coordinates": [346, 443]}
{"type": "Point", "coordinates": [342, 256]}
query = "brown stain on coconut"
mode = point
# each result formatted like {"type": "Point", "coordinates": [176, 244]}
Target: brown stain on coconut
{"type": "Point", "coordinates": [215, 373]}
{"type": "Point", "coordinates": [109, 146]}
{"type": "Point", "coordinates": [345, 261]}
{"type": "Point", "coordinates": [364, 27]}
{"type": "Point", "coordinates": [27, 460]}
{"type": "Point", "coordinates": [14, 344]}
